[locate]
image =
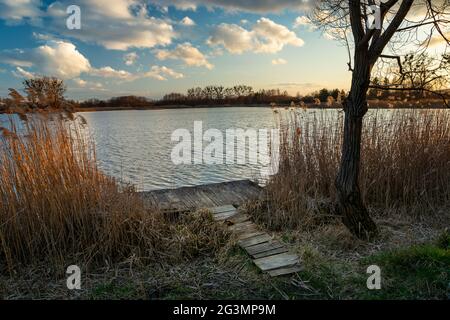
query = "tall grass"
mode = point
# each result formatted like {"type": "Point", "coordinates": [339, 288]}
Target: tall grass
{"type": "Point", "coordinates": [57, 206]}
{"type": "Point", "coordinates": [405, 165]}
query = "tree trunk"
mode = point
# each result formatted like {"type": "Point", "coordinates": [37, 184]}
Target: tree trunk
{"type": "Point", "coordinates": [350, 205]}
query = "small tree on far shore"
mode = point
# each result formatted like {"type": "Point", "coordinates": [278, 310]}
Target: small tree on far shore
{"type": "Point", "coordinates": [45, 92]}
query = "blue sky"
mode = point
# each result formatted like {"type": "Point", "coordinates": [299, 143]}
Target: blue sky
{"type": "Point", "coordinates": [151, 48]}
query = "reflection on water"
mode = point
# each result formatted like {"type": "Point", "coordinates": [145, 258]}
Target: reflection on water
{"type": "Point", "coordinates": [136, 146]}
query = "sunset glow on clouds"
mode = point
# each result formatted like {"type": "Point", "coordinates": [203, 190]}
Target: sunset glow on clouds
{"type": "Point", "coordinates": [154, 47]}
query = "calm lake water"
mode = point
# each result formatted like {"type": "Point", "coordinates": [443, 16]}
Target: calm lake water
{"type": "Point", "coordinates": [136, 146]}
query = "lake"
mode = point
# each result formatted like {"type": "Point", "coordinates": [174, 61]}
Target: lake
{"type": "Point", "coordinates": [136, 146]}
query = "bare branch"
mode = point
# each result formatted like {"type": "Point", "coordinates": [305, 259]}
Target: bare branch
{"type": "Point", "coordinates": [377, 47]}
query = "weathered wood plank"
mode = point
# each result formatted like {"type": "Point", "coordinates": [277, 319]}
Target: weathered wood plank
{"type": "Point", "coordinates": [271, 245]}
{"type": "Point", "coordinates": [276, 261]}
{"type": "Point", "coordinates": [221, 209]}
{"type": "Point", "coordinates": [206, 196]}
{"type": "Point", "coordinates": [224, 215]}
{"type": "Point", "coordinates": [254, 240]}
{"type": "Point", "coordinates": [285, 271]}
{"type": "Point", "coordinates": [269, 253]}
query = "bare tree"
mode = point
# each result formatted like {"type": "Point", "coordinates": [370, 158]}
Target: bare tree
{"type": "Point", "coordinates": [45, 92]}
{"type": "Point", "coordinates": [421, 73]}
{"type": "Point", "coordinates": [371, 31]}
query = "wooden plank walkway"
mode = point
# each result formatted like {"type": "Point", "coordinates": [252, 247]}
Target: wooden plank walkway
{"type": "Point", "coordinates": [268, 254]}
{"type": "Point", "coordinates": [204, 196]}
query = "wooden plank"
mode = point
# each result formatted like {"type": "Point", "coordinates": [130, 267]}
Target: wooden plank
{"type": "Point", "coordinates": [205, 196]}
{"type": "Point", "coordinates": [206, 201]}
{"type": "Point", "coordinates": [222, 199]}
{"type": "Point", "coordinates": [224, 215]}
{"type": "Point", "coordinates": [269, 253]}
{"type": "Point", "coordinates": [217, 210]}
{"type": "Point", "coordinates": [285, 271]}
{"type": "Point", "coordinates": [254, 240]}
{"type": "Point", "coordinates": [277, 261]}
{"type": "Point", "coordinates": [271, 245]}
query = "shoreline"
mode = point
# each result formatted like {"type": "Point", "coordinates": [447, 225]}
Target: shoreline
{"type": "Point", "coordinates": [172, 107]}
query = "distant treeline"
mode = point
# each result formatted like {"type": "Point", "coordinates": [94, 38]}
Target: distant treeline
{"type": "Point", "coordinates": [117, 102]}
{"type": "Point", "coordinates": [219, 95]}
{"type": "Point", "coordinates": [216, 95]}
{"type": "Point", "coordinates": [48, 93]}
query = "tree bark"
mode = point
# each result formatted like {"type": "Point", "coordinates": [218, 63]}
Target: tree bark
{"type": "Point", "coordinates": [350, 205]}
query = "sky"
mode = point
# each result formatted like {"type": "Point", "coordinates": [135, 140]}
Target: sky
{"type": "Point", "coordinates": [150, 48]}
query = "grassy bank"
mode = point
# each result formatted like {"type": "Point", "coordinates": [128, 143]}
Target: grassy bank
{"type": "Point", "coordinates": [414, 265]}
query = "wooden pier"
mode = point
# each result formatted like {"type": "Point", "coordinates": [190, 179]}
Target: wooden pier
{"type": "Point", "coordinates": [222, 199]}
{"type": "Point", "coordinates": [204, 196]}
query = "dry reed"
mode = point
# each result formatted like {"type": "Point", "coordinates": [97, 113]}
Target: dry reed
{"type": "Point", "coordinates": [57, 206]}
{"type": "Point", "coordinates": [405, 166]}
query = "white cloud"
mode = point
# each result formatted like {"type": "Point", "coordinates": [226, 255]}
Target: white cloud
{"type": "Point", "coordinates": [43, 36]}
{"type": "Point", "coordinates": [303, 21]}
{"type": "Point", "coordinates": [265, 37]}
{"type": "Point", "coordinates": [261, 6]}
{"type": "Point", "coordinates": [274, 36]}
{"type": "Point", "coordinates": [130, 58]}
{"type": "Point", "coordinates": [232, 37]}
{"type": "Point", "coordinates": [61, 59]}
{"type": "Point", "coordinates": [21, 73]}
{"type": "Point", "coordinates": [161, 73]}
{"type": "Point", "coordinates": [188, 22]}
{"type": "Point", "coordinates": [279, 61]}
{"type": "Point", "coordinates": [184, 5]}
{"type": "Point", "coordinates": [190, 55]}
{"type": "Point", "coordinates": [95, 86]}
{"type": "Point", "coordinates": [56, 58]}
{"type": "Point", "coordinates": [80, 82]}
{"type": "Point", "coordinates": [15, 11]}
{"type": "Point", "coordinates": [124, 24]}
{"type": "Point", "coordinates": [116, 25]}
{"type": "Point", "coordinates": [109, 72]}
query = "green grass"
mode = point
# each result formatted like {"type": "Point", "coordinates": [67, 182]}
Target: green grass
{"type": "Point", "coordinates": [416, 272]}
{"type": "Point", "coordinates": [444, 240]}
{"type": "Point", "coordinates": [419, 272]}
